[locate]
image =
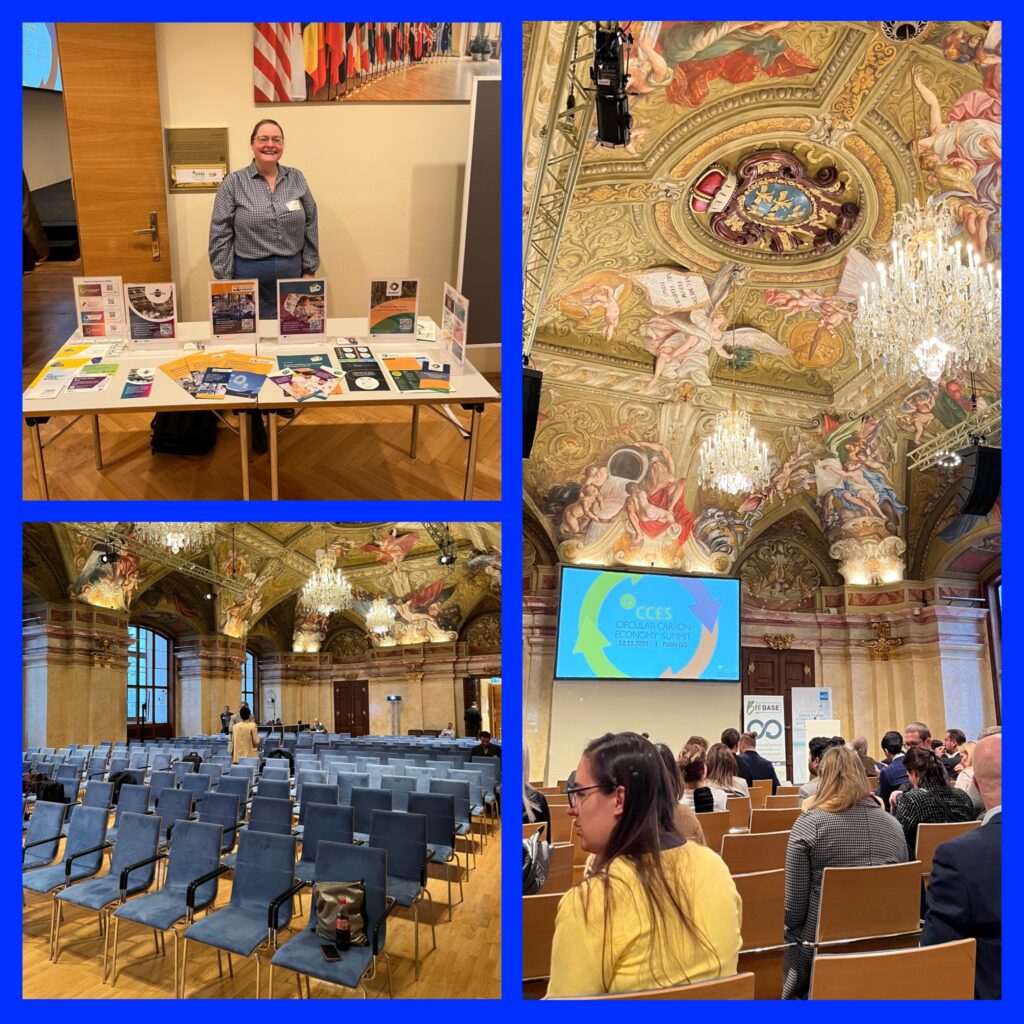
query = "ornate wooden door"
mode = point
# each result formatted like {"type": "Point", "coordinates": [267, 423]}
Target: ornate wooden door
{"type": "Point", "coordinates": [351, 707]}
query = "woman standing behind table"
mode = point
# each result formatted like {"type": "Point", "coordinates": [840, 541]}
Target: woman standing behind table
{"type": "Point", "coordinates": [658, 910]}
{"type": "Point", "coordinates": [932, 800]}
{"type": "Point", "coordinates": [843, 828]}
{"type": "Point", "coordinates": [264, 222]}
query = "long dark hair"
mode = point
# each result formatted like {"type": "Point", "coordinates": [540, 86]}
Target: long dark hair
{"type": "Point", "coordinates": [927, 767]}
{"type": "Point", "coordinates": [675, 788]}
{"type": "Point", "coordinates": [628, 760]}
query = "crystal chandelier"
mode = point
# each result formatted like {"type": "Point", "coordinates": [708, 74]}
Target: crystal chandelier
{"type": "Point", "coordinates": [380, 617]}
{"type": "Point", "coordinates": [176, 536]}
{"type": "Point", "coordinates": [732, 459]}
{"type": "Point", "coordinates": [326, 591]}
{"type": "Point", "coordinates": [936, 308]}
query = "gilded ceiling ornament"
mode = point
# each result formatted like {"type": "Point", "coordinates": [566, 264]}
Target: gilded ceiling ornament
{"type": "Point", "coordinates": [863, 79]}
{"type": "Point", "coordinates": [779, 641]}
{"type": "Point", "coordinates": [484, 632]}
{"type": "Point", "coordinates": [884, 643]}
{"type": "Point", "coordinates": [779, 571]}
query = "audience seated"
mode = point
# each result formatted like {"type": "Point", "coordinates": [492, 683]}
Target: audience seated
{"type": "Point", "coordinates": [844, 827]}
{"type": "Point", "coordinates": [686, 818]}
{"type": "Point", "coordinates": [893, 776]}
{"type": "Point", "coordinates": [931, 799]}
{"type": "Point", "coordinates": [871, 766]}
{"type": "Point", "coordinates": [485, 748]}
{"type": "Point", "coordinates": [657, 910]}
{"type": "Point", "coordinates": [760, 768]}
{"type": "Point", "coordinates": [723, 773]}
{"type": "Point", "coordinates": [731, 738]}
{"type": "Point", "coordinates": [535, 805]}
{"type": "Point", "coordinates": [964, 891]}
{"type": "Point", "coordinates": [964, 777]}
{"type": "Point", "coordinates": [816, 748]}
{"type": "Point", "coordinates": [696, 792]}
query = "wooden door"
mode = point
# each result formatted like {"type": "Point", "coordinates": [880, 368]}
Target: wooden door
{"type": "Point", "coordinates": [774, 674]}
{"type": "Point", "coordinates": [494, 702]}
{"type": "Point", "coordinates": [112, 103]}
{"type": "Point", "coordinates": [351, 707]}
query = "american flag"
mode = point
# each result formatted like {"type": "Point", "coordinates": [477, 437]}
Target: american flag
{"type": "Point", "coordinates": [278, 75]}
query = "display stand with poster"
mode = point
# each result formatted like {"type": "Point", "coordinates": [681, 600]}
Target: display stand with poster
{"type": "Point", "coordinates": [454, 320]}
{"type": "Point", "coordinates": [765, 717]}
{"type": "Point", "coordinates": [302, 309]}
{"type": "Point", "coordinates": [99, 307]}
{"type": "Point", "coordinates": [393, 307]}
{"type": "Point", "coordinates": [233, 310]}
{"type": "Point", "coordinates": [811, 704]}
{"type": "Point", "coordinates": [152, 311]}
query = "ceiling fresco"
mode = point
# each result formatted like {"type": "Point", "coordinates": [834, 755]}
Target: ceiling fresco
{"type": "Point", "coordinates": [265, 565]}
{"type": "Point", "coordinates": [723, 252]}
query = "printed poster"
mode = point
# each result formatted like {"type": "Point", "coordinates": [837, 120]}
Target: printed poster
{"type": "Point", "coordinates": [152, 311]}
{"type": "Point", "coordinates": [454, 317]}
{"type": "Point", "coordinates": [139, 382]}
{"type": "Point", "coordinates": [99, 307]}
{"type": "Point", "coordinates": [302, 308]}
{"type": "Point", "coordinates": [393, 306]}
{"type": "Point", "coordinates": [810, 703]}
{"type": "Point", "coordinates": [233, 309]}
{"type": "Point", "coordinates": [765, 717]}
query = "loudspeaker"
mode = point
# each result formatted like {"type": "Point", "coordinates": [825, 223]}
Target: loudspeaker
{"type": "Point", "coordinates": [982, 481]}
{"type": "Point", "coordinates": [532, 380]}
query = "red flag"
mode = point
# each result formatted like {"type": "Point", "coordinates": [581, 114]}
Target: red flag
{"type": "Point", "coordinates": [365, 37]}
{"type": "Point", "coordinates": [380, 43]}
{"type": "Point", "coordinates": [418, 52]}
{"type": "Point", "coordinates": [277, 62]}
{"type": "Point", "coordinates": [352, 50]}
{"type": "Point", "coordinates": [334, 37]}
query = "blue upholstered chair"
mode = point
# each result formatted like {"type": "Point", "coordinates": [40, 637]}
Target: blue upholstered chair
{"type": "Point", "coordinates": [131, 798]}
{"type": "Point", "coordinates": [235, 785]}
{"type": "Point", "coordinates": [42, 837]}
{"type": "Point", "coordinates": [401, 786]}
{"type": "Point", "coordinates": [439, 810]}
{"type": "Point", "coordinates": [347, 781]}
{"type": "Point", "coordinates": [324, 822]}
{"type": "Point", "coordinates": [198, 786]}
{"type": "Point", "coordinates": [315, 793]}
{"type": "Point", "coordinates": [223, 809]}
{"type": "Point", "coordinates": [463, 821]}
{"type": "Point", "coordinates": [194, 853]}
{"type": "Point", "coordinates": [364, 803]}
{"type": "Point", "coordinates": [279, 789]}
{"type": "Point", "coordinates": [264, 870]}
{"type": "Point", "coordinates": [404, 836]}
{"type": "Point", "coordinates": [158, 782]}
{"type": "Point", "coordinates": [131, 871]}
{"type": "Point", "coordinates": [266, 815]}
{"type": "Point", "coordinates": [358, 964]}
{"type": "Point", "coordinates": [173, 805]}
{"type": "Point", "coordinates": [213, 770]}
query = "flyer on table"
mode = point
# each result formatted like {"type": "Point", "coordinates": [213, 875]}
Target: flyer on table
{"type": "Point", "coordinates": [233, 309]}
{"type": "Point", "coordinates": [393, 306]}
{"type": "Point", "coordinates": [302, 307]}
{"type": "Point", "coordinates": [454, 317]}
{"type": "Point", "coordinates": [152, 312]}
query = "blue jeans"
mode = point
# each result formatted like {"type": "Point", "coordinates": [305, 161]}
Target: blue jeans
{"type": "Point", "coordinates": [268, 272]}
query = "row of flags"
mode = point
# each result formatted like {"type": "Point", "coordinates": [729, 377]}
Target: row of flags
{"type": "Point", "coordinates": [293, 60]}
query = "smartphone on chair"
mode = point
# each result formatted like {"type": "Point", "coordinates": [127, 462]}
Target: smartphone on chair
{"type": "Point", "coordinates": [330, 953]}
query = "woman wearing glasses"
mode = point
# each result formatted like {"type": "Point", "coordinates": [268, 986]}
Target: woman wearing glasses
{"type": "Point", "coordinates": [657, 910]}
{"type": "Point", "coordinates": [264, 222]}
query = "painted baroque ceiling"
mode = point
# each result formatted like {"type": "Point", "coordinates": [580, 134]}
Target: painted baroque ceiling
{"type": "Point", "coordinates": [766, 165]}
{"type": "Point", "coordinates": [264, 566]}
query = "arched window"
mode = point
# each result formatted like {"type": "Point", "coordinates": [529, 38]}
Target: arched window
{"type": "Point", "coordinates": [150, 682]}
{"type": "Point", "coordinates": [250, 681]}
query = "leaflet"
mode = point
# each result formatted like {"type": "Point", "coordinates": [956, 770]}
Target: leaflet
{"type": "Point", "coordinates": [393, 306]}
{"type": "Point", "coordinates": [214, 384]}
{"type": "Point", "coordinates": [302, 308]}
{"type": "Point", "coordinates": [50, 383]}
{"type": "Point", "coordinates": [152, 311]}
{"type": "Point", "coordinates": [99, 307]}
{"type": "Point", "coordinates": [233, 306]}
{"type": "Point", "coordinates": [454, 318]}
{"type": "Point", "coordinates": [361, 373]}
{"type": "Point", "coordinates": [96, 377]}
{"type": "Point", "coordinates": [247, 374]}
{"type": "Point", "coordinates": [418, 373]}
{"type": "Point", "coordinates": [304, 363]}
{"type": "Point", "coordinates": [300, 386]}
{"type": "Point", "coordinates": [139, 383]}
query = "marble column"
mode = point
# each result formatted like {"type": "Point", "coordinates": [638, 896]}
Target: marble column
{"type": "Point", "coordinates": [209, 676]}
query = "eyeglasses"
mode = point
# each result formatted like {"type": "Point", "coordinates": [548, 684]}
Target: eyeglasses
{"type": "Point", "coordinates": [264, 139]}
{"type": "Point", "coordinates": [571, 791]}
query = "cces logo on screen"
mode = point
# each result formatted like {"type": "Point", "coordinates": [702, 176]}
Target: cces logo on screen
{"type": "Point", "coordinates": [662, 613]}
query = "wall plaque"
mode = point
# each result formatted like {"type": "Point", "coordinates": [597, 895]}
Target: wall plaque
{"type": "Point", "coordinates": [197, 158]}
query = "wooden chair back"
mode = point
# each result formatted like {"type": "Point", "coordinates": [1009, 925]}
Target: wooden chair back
{"type": "Point", "coordinates": [764, 896]}
{"type": "Point", "coordinates": [870, 902]}
{"type": "Point", "coordinates": [538, 930]}
{"type": "Point", "coordinates": [765, 784]}
{"type": "Point", "coordinates": [774, 803]}
{"type": "Point", "coordinates": [787, 790]}
{"type": "Point", "coordinates": [535, 826]}
{"type": "Point", "coordinates": [919, 973]}
{"type": "Point", "coordinates": [561, 825]}
{"type": "Point", "coordinates": [548, 791]}
{"type": "Point", "coordinates": [745, 853]}
{"type": "Point", "coordinates": [559, 878]}
{"type": "Point", "coordinates": [739, 811]}
{"type": "Point", "coordinates": [775, 820]}
{"type": "Point", "coordinates": [758, 797]}
{"type": "Point", "coordinates": [736, 986]}
{"type": "Point", "coordinates": [714, 824]}
{"type": "Point", "coordinates": [930, 836]}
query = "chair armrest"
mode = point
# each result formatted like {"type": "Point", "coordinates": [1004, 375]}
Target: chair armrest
{"type": "Point", "coordinates": [82, 853]}
{"type": "Point", "coordinates": [273, 911]}
{"type": "Point", "coordinates": [39, 842]}
{"type": "Point", "coordinates": [190, 892]}
{"type": "Point", "coordinates": [123, 881]}
{"type": "Point", "coordinates": [389, 904]}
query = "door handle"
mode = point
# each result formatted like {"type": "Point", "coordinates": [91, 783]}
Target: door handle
{"type": "Point", "coordinates": [154, 234]}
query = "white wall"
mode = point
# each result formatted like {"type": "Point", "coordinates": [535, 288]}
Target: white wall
{"type": "Point", "coordinates": [45, 156]}
{"type": "Point", "coordinates": [387, 177]}
{"type": "Point", "coordinates": [670, 712]}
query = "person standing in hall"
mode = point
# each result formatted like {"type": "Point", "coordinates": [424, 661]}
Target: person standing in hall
{"type": "Point", "coordinates": [473, 720]}
{"type": "Point", "coordinates": [225, 720]}
{"type": "Point", "coordinates": [245, 740]}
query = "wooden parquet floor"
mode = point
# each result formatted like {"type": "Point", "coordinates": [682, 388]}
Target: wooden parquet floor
{"type": "Point", "coordinates": [450, 79]}
{"type": "Point", "coordinates": [465, 965]}
{"type": "Point", "coordinates": [325, 454]}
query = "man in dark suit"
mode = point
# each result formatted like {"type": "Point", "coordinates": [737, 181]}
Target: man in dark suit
{"type": "Point", "coordinates": [893, 776]}
{"type": "Point", "coordinates": [964, 891]}
{"type": "Point", "coordinates": [760, 768]}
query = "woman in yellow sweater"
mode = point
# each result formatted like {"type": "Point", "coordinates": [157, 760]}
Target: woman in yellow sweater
{"type": "Point", "coordinates": [658, 910]}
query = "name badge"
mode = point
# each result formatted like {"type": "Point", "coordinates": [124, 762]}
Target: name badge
{"type": "Point", "coordinates": [293, 204]}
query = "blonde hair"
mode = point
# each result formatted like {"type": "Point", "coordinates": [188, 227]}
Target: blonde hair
{"type": "Point", "coordinates": [840, 781]}
{"type": "Point", "coordinates": [967, 753]}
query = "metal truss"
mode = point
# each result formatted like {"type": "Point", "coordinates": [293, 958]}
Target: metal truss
{"type": "Point", "coordinates": [983, 423]}
{"type": "Point", "coordinates": [563, 146]}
